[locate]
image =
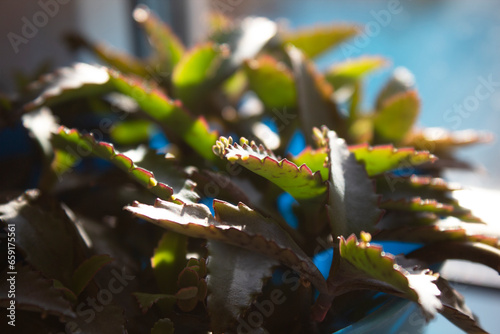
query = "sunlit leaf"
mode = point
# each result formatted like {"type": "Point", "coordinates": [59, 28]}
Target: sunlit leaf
{"type": "Point", "coordinates": [396, 116]}
{"type": "Point", "coordinates": [348, 72]}
{"type": "Point", "coordinates": [131, 132]}
{"type": "Point", "coordinates": [272, 81]}
{"type": "Point", "coordinates": [352, 202]}
{"type": "Point", "coordinates": [167, 47]}
{"type": "Point", "coordinates": [168, 260]}
{"type": "Point", "coordinates": [299, 182]}
{"type": "Point", "coordinates": [402, 81]}
{"type": "Point", "coordinates": [316, 40]}
{"type": "Point", "coordinates": [235, 225]}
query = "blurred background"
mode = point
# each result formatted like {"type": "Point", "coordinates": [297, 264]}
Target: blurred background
{"type": "Point", "coordinates": [452, 47]}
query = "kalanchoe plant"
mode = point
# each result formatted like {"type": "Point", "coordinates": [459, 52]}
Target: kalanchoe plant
{"type": "Point", "coordinates": [222, 245]}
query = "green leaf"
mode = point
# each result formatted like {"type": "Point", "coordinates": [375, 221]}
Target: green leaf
{"type": "Point", "coordinates": [45, 235]}
{"type": "Point", "coordinates": [167, 47]}
{"type": "Point", "coordinates": [236, 277]}
{"type": "Point", "coordinates": [272, 81]}
{"type": "Point", "coordinates": [350, 71]}
{"type": "Point", "coordinates": [316, 40]}
{"type": "Point", "coordinates": [314, 159]}
{"type": "Point", "coordinates": [168, 261]}
{"type": "Point", "coordinates": [197, 72]}
{"type": "Point", "coordinates": [384, 158]}
{"type": "Point", "coordinates": [235, 225]}
{"type": "Point", "coordinates": [299, 182]}
{"type": "Point", "coordinates": [131, 132]}
{"type": "Point", "coordinates": [396, 116]}
{"type": "Point", "coordinates": [86, 272]}
{"type": "Point", "coordinates": [163, 326]}
{"type": "Point", "coordinates": [402, 81]}
{"type": "Point", "coordinates": [77, 144]}
{"type": "Point", "coordinates": [147, 300]}
{"type": "Point", "coordinates": [84, 80]}
{"type": "Point", "coordinates": [368, 266]}
{"type": "Point", "coordinates": [121, 61]}
{"type": "Point", "coordinates": [316, 107]}
{"type": "Point", "coordinates": [35, 293]}
{"type": "Point", "coordinates": [352, 202]}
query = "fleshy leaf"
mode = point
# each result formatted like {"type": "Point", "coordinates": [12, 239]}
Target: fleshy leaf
{"type": "Point", "coordinates": [299, 182]}
{"type": "Point", "coordinates": [272, 81]}
{"type": "Point", "coordinates": [314, 159]}
{"type": "Point", "coordinates": [363, 266]}
{"type": "Point", "coordinates": [87, 270]}
{"type": "Point", "coordinates": [131, 132]}
{"type": "Point", "coordinates": [84, 80]}
{"type": "Point", "coordinates": [74, 142]}
{"type": "Point", "coordinates": [381, 159]}
{"type": "Point", "coordinates": [402, 81]}
{"type": "Point", "coordinates": [396, 116]}
{"type": "Point", "coordinates": [123, 62]}
{"type": "Point", "coordinates": [34, 292]}
{"type": "Point", "coordinates": [417, 204]}
{"type": "Point", "coordinates": [440, 140]}
{"type": "Point", "coordinates": [236, 277]}
{"type": "Point", "coordinates": [316, 40]}
{"type": "Point", "coordinates": [168, 260]}
{"type": "Point", "coordinates": [455, 310]}
{"type": "Point", "coordinates": [348, 72]}
{"type": "Point", "coordinates": [316, 107]}
{"type": "Point", "coordinates": [45, 235]}
{"type": "Point", "coordinates": [235, 225]}
{"type": "Point", "coordinates": [352, 202]}
{"type": "Point", "coordinates": [459, 250]}
{"type": "Point", "coordinates": [163, 326]}
{"type": "Point", "coordinates": [168, 48]}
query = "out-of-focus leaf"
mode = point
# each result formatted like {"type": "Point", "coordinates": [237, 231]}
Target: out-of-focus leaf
{"type": "Point", "coordinates": [207, 66]}
{"type": "Point", "coordinates": [316, 40]}
{"type": "Point", "coordinates": [84, 80]}
{"type": "Point", "coordinates": [46, 236]}
{"type": "Point", "coordinates": [123, 62]}
{"type": "Point", "coordinates": [350, 71]}
{"type": "Point", "coordinates": [455, 310]}
{"type": "Point", "coordinates": [147, 300]}
{"type": "Point", "coordinates": [168, 261]}
{"type": "Point", "coordinates": [236, 277]}
{"type": "Point", "coordinates": [110, 319]}
{"type": "Point", "coordinates": [197, 72]}
{"type": "Point", "coordinates": [41, 123]}
{"type": "Point", "coordinates": [34, 292]}
{"type": "Point", "coordinates": [477, 252]}
{"type": "Point", "coordinates": [396, 116]}
{"type": "Point", "coordinates": [384, 158]}
{"type": "Point", "coordinates": [79, 144]}
{"type": "Point", "coordinates": [363, 266]}
{"type": "Point", "coordinates": [163, 326]}
{"type": "Point", "coordinates": [235, 86]}
{"type": "Point", "coordinates": [402, 80]}
{"type": "Point", "coordinates": [299, 182]}
{"type": "Point", "coordinates": [131, 132]}
{"type": "Point", "coordinates": [449, 229]}
{"type": "Point", "coordinates": [272, 81]}
{"type": "Point", "coordinates": [440, 140]}
{"type": "Point", "coordinates": [352, 202]}
{"type": "Point", "coordinates": [168, 48]}
{"type": "Point", "coordinates": [417, 204]}
{"type": "Point", "coordinates": [316, 107]}
{"type": "Point", "coordinates": [235, 225]}
{"type": "Point", "coordinates": [86, 272]}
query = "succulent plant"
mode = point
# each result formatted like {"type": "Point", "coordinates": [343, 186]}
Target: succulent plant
{"type": "Point", "coordinates": [237, 224]}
